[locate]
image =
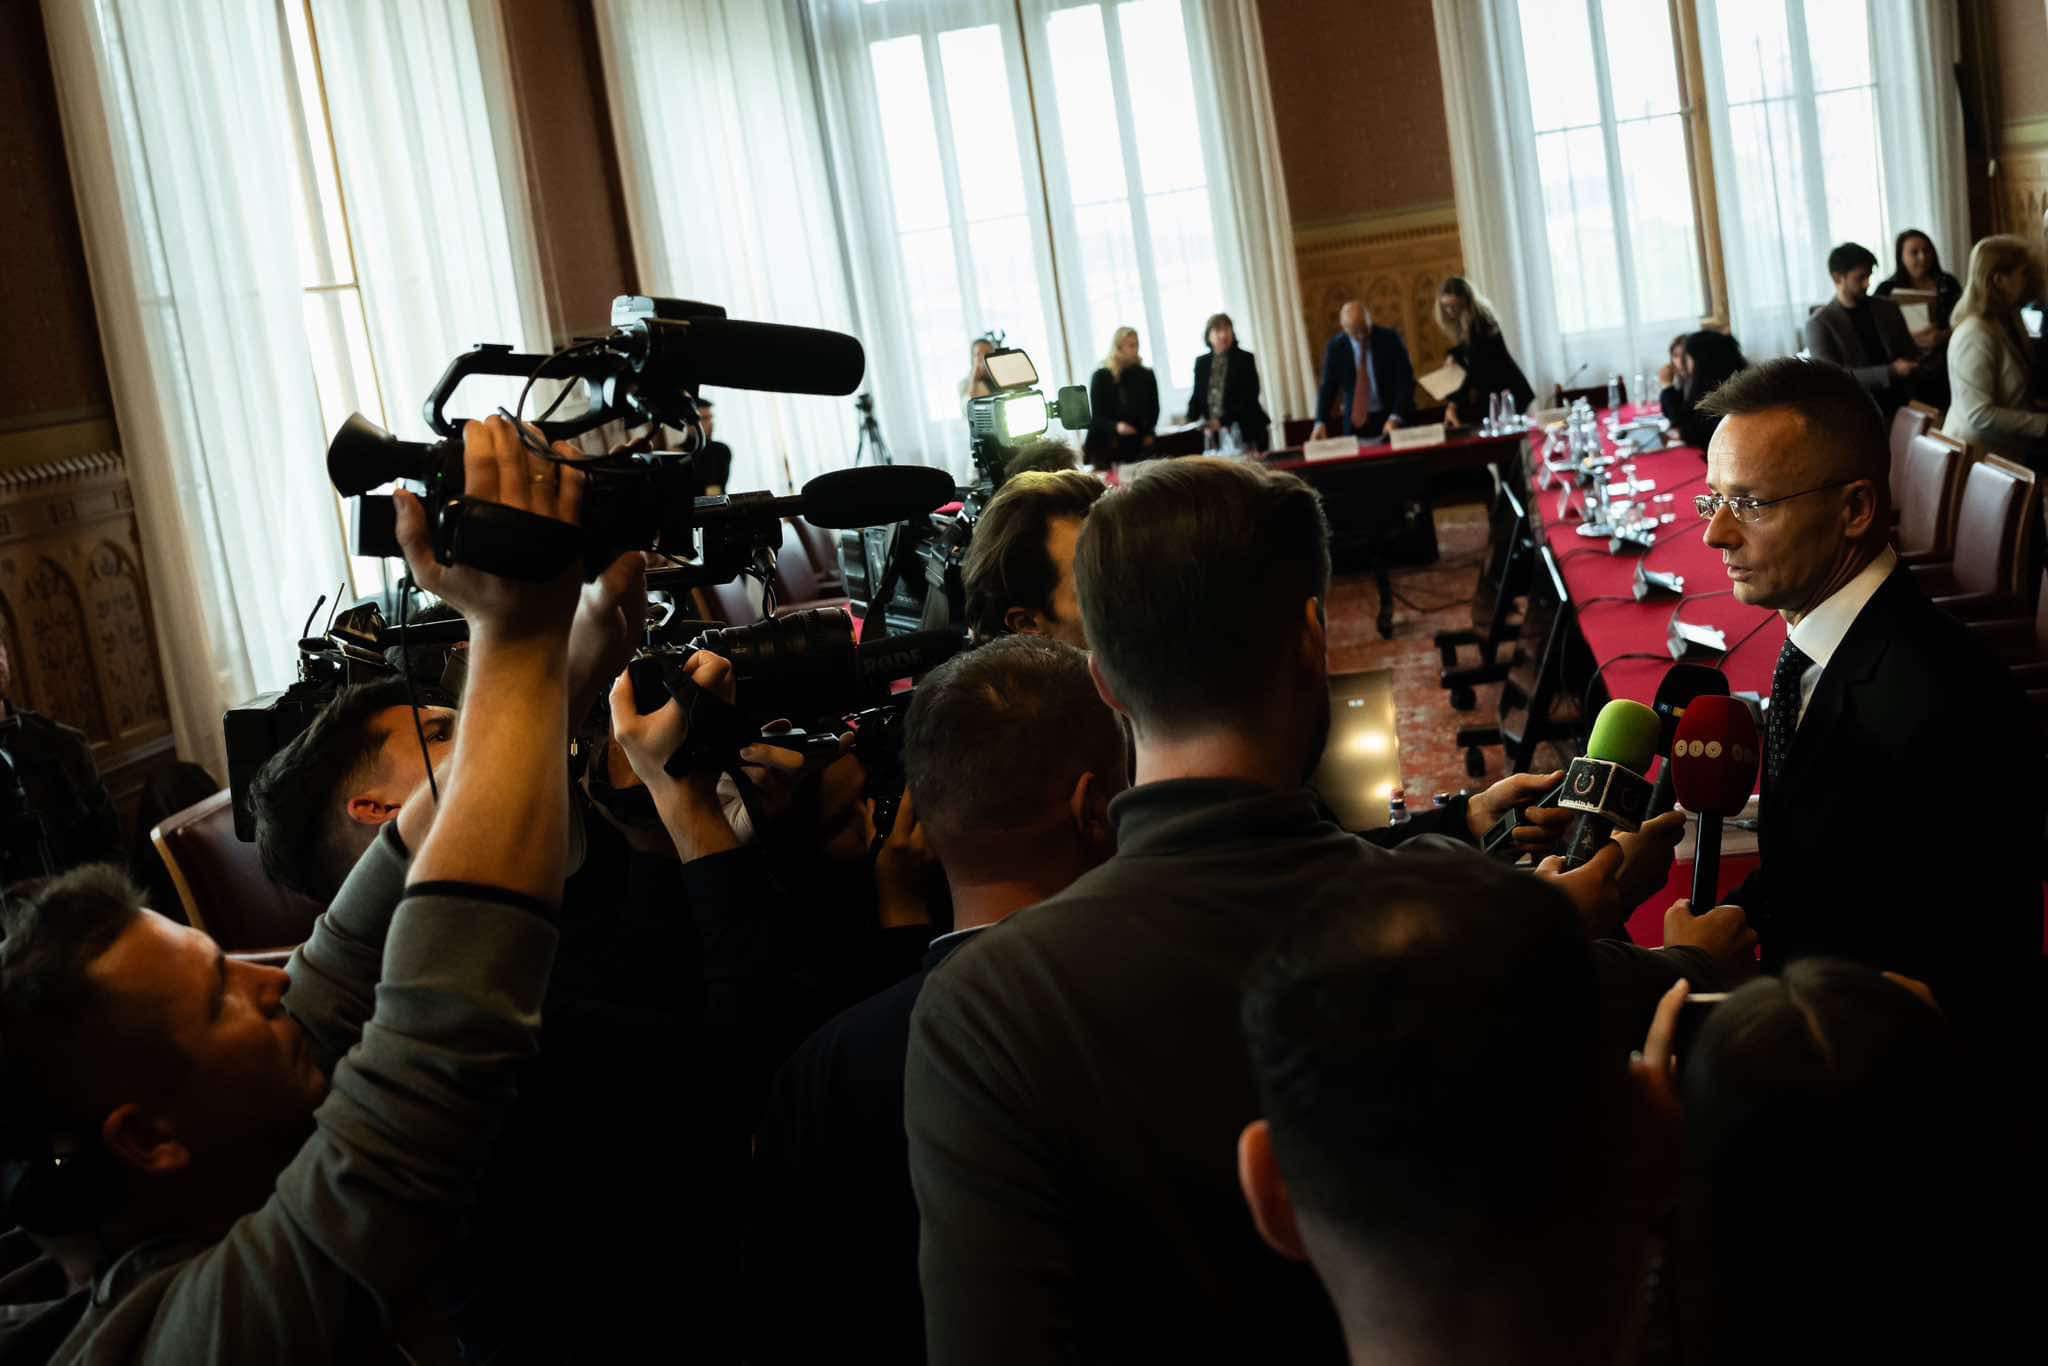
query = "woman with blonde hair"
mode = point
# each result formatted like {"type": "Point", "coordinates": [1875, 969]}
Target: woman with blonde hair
{"type": "Point", "coordinates": [1123, 404]}
{"type": "Point", "coordinates": [1480, 350]}
{"type": "Point", "coordinates": [1990, 359]}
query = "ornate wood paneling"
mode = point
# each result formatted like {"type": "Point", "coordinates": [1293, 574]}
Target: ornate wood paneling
{"type": "Point", "coordinates": [74, 610]}
{"type": "Point", "coordinates": [1394, 262]}
{"type": "Point", "coordinates": [2021, 187]}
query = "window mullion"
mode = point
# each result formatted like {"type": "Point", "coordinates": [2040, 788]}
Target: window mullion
{"type": "Point", "coordinates": [1617, 195]}
{"type": "Point", "coordinates": [1806, 108]}
{"type": "Point", "coordinates": [949, 169]}
{"type": "Point", "coordinates": [1134, 194]}
{"type": "Point", "coordinates": [1699, 145]}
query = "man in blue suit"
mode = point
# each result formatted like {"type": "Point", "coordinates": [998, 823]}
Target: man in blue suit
{"type": "Point", "coordinates": [1368, 381]}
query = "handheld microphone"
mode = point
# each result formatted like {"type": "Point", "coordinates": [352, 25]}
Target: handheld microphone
{"type": "Point", "coordinates": [1605, 785]}
{"type": "Point", "coordinates": [1714, 758]}
{"type": "Point", "coordinates": [1683, 683]}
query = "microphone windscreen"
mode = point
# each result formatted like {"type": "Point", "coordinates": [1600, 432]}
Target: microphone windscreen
{"type": "Point", "coordinates": [1682, 683]}
{"type": "Point", "coordinates": [732, 354]}
{"type": "Point", "coordinates": [1714, 756]}
{"type": "Point", "coordinates": [875, 495]}
{"type": "Point", "coordinates": [1625, 733]}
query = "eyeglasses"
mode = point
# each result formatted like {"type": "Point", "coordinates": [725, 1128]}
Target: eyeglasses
{"type": "Point", "coordinates": [1752, 509]}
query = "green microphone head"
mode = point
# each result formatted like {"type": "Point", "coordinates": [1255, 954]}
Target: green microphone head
{"type": "Point", "coordinates": [1625, 733]}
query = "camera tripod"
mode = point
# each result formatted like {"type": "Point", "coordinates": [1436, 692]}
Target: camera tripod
{"type": "Point", "coordinates": [871, 441]}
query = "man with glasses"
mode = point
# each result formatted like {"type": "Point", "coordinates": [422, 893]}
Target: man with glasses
{"type": "Point", "coordinates": [1903, 773]}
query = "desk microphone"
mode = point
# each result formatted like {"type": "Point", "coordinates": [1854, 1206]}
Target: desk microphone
{"type": "Point", "coordinates": [1714, 758]}
{"type": "Point", "coordinates": [1606, 784]}
{"type": "Point", "coordinates": [1683, 683]}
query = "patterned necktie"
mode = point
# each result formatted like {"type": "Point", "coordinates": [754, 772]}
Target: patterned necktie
{"type": "Point", "coordinates": [1783, 722]}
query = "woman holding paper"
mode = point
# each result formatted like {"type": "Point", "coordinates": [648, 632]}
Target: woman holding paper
{"type": "Point", "coordinates": [1479, 350]}
{"type": "Point", "coordinates": [1989, 360]}
{"type": "Point", "coordinates": [1929, 293]}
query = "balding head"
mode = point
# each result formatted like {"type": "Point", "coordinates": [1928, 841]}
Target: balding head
{"type": "Point", "coordinates": [1828, 429]}
{"type": "Point", "coordinates": [1354, 317]}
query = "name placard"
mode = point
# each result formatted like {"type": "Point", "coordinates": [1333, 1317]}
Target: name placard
{"type": "Point", "coordinates": [1408, 438]}
{"type": "Point", "coordinates": [1331, 448]}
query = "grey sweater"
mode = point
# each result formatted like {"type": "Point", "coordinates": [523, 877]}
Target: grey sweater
{"type": "Point", "coordinates": [419, 1004]}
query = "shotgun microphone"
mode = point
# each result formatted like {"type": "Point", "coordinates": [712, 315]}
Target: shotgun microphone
{"type": "Point", "coordinates": [1714, 759]}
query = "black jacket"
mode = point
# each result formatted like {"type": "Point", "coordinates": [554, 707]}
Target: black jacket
{"type": "Point", "coordinates": [1906, 830]}
{"type": "Point", "coordinates": [63, 790]}
{"type": "Point", "coordinates": [1077, 1082]}
{"type": "Point", "coordinates": [1131, 397]}
{"type": "Point", "coordinates": [1489, 368]}
{"type": "Point", "coordinates": [1693, 426]}
{"type": "Point", "coordinates": [1240, 396]}
{"type": "Point", "coordinates": [1392, 369]}
{"type": "Point", "coordinates": [831, 1166]}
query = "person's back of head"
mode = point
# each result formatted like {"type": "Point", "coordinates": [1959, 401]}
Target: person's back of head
{"type": "Point", "coordinates": [1840, 433]}
{"type": "Point", "coordinates": [1045, 455]}
{"type": "Point", "coordinates": [1011, 759]}
{"type": "Point", "coordinates": [1833, 1199]}
{"type": "Point", "coordinates": [303, 831]}
{"type": "Point", "coordinates": [1715, 357]}
{"type": "Point", "coordinates": [1012, 579]}
{"type": "Point", "coordinates": [1443, 1113]}
{"type": "Point", "coordinates": [1197, 582]}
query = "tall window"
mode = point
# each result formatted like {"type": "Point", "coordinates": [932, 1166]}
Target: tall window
{"type": "Point", "coordinates": [1607, 117]}
{"type": "Point", "coordinates": [1046, 168]}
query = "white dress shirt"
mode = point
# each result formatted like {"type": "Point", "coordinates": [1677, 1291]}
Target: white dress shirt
{"type": "Point", "coordinates": [1819, 633]}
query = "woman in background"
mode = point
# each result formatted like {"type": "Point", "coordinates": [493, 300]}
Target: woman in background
{"type": "Point", "coordinates": [1705, 363]}
{"type": "Point", "coordinates": [1123, 404]}
{"type": "Point", "coordinates": [1990, 359]}
{"type": "Point", "coordinates": [1917, 266]}
{"type": "Point", "coordinates": [1480, 349]}
{"type": "Point", "coordinates": [978, 384]}
{"type": "Point", "coordinates": [1226, 391]}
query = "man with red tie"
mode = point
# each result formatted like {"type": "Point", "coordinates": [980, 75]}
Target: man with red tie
{"type": "Point", "coordinates": [1368, 381]}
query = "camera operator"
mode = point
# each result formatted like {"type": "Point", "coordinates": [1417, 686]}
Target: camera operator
{"type": "Point", "coordinates": [223, 1179]}
{"type": "Point", "coordinates": [60, 786]}
{"type": "Point", "coordinates": [1012, 762]}
{"type": "Point", "coordinates": [1019, 570]}
{"type": "Point", "coordinates": [1076, 1081]}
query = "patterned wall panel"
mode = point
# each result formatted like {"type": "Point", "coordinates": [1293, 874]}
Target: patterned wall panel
{"type": "Point", "coordinates": [2021, 188]}
{"type": "Point", "coordinates": [1394, 262]}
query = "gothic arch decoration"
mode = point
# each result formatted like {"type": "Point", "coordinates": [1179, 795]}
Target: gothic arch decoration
{"type": "Point", "coordinates": [58, 649]}
{"type": "Point", "coordinates": [123, 643]}
{"type": "Point", "coordinates": [17, 688]}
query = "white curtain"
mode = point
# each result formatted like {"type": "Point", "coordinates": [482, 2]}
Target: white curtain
{"type": "Point", "coordinates": [1262, 286]}
{"type": "Point", "coordinates": [174, 121]}
{"type": "Point", "coordinates": [437, 207]}
{"type": "Point", "coordinates": [730, 202]}
{"type": "Point", "coordinates": [1500, 223]}
{"type": "Point", "coordinates": [1833, 121]}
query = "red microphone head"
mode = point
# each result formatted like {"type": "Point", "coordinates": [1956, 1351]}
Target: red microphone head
{"type": "Point", "coordinates": [1715, 755]}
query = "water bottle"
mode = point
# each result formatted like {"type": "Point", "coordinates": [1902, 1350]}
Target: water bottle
{"type": "Point", "coordinates": [1233, 441]}
{"type": "Point", "coordinates": [1397, 808]}
{"type": "Point", "coordinates": [1642, 390]}
{"type": "Point", "coordinates": [1613, 393]}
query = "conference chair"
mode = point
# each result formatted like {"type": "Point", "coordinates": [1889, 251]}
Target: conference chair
{"type": "Point", "coordinates": [222, 885]}
{"type": "Point", "coordinates": [1927, 502]}
{"type": "Point", "coordinates": [1187, 441]}
{"type": "Point", "coordinates": [823, 548]}
{"type": "Point", "coordinates": [2019, 643]}
{"type": "Point", "coordinates": [1534, 705]}
{"type": "Point", "coordinates": [1993, 567]}
{"type": "Point", "coordinates": [1910, 421]}
{"type": "Point", "coordinates": [1495, 620]}
{"type": "Point", "coordinates": [798, 584]}
{"type": "Point", "coordinates": [1294, 432]}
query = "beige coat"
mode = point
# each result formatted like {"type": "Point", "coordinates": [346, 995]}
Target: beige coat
{"type": "Point", "coordinates": [1992, 387]}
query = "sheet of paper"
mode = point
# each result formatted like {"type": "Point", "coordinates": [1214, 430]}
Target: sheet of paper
{"type": "Point", "coordinates": [1443, 381]}
{"type": "Point", "coordinates": [1407, 438]}
{"type": "Point", "coordinates": [1330, 448]}
{"type": "Point", "coordinates": [1917, 316]}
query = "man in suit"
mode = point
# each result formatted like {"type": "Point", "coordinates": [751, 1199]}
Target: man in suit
{"type": "Point", "coordinates": [1368, 381]}
{"type": "Point", "coordinates": [1012, 761]}
{"type": "Point", "coordinates": [1077, 1080]}
{"type": "Point", "coordinates": [1864, 334]}
{"type": "Point", "coordinates": [712, 463]}
{"type": "Point", "coordinates": [1903, 778]}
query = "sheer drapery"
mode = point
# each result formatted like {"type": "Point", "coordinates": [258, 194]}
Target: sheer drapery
{"type": "Point", "coordinates": [730, 202]}
{"type": "Point", "coordinates": [1833, 121]}
{"type": "Point", "coordinates": [174, 120]}
{"type": "Point", "coordinates": [437, 210]}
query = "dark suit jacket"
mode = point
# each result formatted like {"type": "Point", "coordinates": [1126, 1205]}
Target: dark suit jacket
{"type": "Point", "coordinates": [1489, 368]}
{"type": "Point", "coordinates": [1077, 1081]}
{"type": "Point", "coordinates": [1906, 829]}
{"type": "Point", "coordinates": [1391, 367]}
{"type": "Point", "coordinates": [1240, 396]}
{"type": "Point", "coordinates": [1132, 397]}
{"type": "Point", "coordinates": [1831, 335]}
{"type": "Point", "coordinates": [832, 1173]}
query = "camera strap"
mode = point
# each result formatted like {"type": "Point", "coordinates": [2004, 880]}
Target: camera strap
{"type": "Point", "coordinates": [505, 540]}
